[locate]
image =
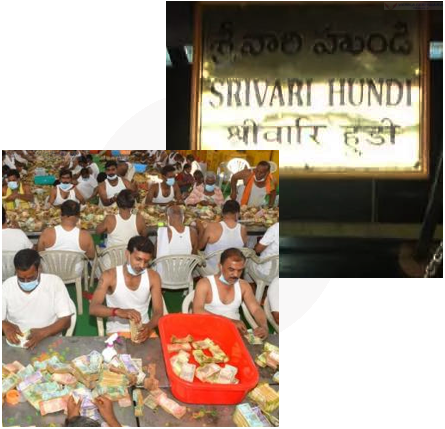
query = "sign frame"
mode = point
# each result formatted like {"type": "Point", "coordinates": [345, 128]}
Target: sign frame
{"type": "Point", "coordinates": [289, 172]}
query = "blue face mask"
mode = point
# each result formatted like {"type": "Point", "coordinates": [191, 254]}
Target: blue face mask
{"type": "Point", "coordinates": [133, 272]}
{"type": "Point", "coordinates": [170, 182]}
{"type": "Point", "coordinates": [29, 286]}
{"type": "Point", "coordinates": [112, 177]}
{"type": "Point", "coordinates": [13, 185]}
{"type": "Point", "coordinates": [210, 188]}
{"type": "Point", "coordinates": [65, 186]}
{"type": "Point", "coordinates": [223, 280]}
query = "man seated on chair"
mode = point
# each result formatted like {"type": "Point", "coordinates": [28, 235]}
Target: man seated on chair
{"type": "Point", "coordinates": [258, 183]}
{"type": "Point", "coordinates": [15, 193]}
{"type": "Point", "coordinates": [87, 185]}
{"type": "Point", "coordinates": [127, 290]}
{"type": "Point", "coordinates": [68, 236]}
{"type": "Point", "coordinates": [222, 235]}
{"type": "Point", "coordinates": [269, 245]}
{"type": "Point", "coordinates": [166, 192]}
{"type": "Point", "coordinates": [124, 225]}
{"type": "Point", "coordinates": [176, 238]}
{"type": "Point", "coordinates": [207, 194]}
{"type": "Point", "coordinates": [224, 293]}
{"type": "Point", "coordinates": [34, 301]}
{"type": "Point", "coordinates": [273, 297]}
{"type": "Point", "coordinates": [110, 188]}
{"type": "Point", "coordinates": [13, 239]}
{"type": "Point", "coordinates": [65, 190]}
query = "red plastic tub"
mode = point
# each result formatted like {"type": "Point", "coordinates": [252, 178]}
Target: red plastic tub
{"type": "Point", "coordinates": [224, 333]}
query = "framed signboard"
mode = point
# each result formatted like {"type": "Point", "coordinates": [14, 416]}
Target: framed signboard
{"type": "Point", "coordinates": [341, 89]}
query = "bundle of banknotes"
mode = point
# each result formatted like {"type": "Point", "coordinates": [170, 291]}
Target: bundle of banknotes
{"type": "Point", "coordinates": [135, 329]}
{"type": "Point", "coordinates": [158, 398]}
{"type": "Point", "coordinates": [247, 416]}
{"type": "Point", "coordinates": [266, 397]}
{"type": "Point", "coordinates": [269, 357]}
{"type": "Point", "coordinates": [252, 338]}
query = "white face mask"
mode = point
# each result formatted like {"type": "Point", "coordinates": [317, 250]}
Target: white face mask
{"type": "Point", "coordinates": [259, 180]}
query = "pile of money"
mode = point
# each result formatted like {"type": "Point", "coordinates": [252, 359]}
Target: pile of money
{"type": "Point", "coordinates": [138, 403]}
{"type": "Point", "coordinates": [202, 345]}
{"type": "Point", "coordinates": [201, 357]}
{"type": "Point", "coordinates": [135, 328]}
{"type": "Point", "coordinates": [269, 357]}
{"type": "Point", "coordinates": [157, 398]}
{"type": "Point", "coordinates": [10, 382]}
{"type": "Point", "coordinates": [188, 372]}
{"type": "Point", "coordinates": [86, 368]}
{"type": "Point", "coordinates": [218, 355]}
{"type": "Point", "coordinates": [53, 405]}
{"type": "Point", "coordinates": [66, 379]}
{"type": "Point", "coordinates": [178, 346]}
{"type": "Point", "coordinates": [13, 367]}
{"type": "Point", "coordinates": [266, 397]}
{"type": "Point", "coordinates": [252, 338]}
{"type": "Point", "coordinates": [246, 416]}
{"type": "Point", "coordinates": [205, 372]}
{"type": "Point", "coordinates": [150, 382]}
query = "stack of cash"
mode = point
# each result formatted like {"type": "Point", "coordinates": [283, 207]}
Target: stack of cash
{"type": "Point", "coordinates": [135, 328]}
{"type": "Point", "coordinates": [269, 357]}
{"type": "Point", "coordinates": [9, 383]}
{"type": "Point", "coordinates": [53, 405]}
{"type": "Point", "coordinates": [201, 357]}
{"type": "Point", "coordinates": [188, 372]}
{"type": "Point", "coordinates": [245, 416]}
{"type": "Point", "coordinates": [205, 372]}
{"type": "Point", "coordinates": [202, 345]}
{"type": "Point", "coordinates": [178, 346]}
{"type": "Point", "coordinates": [218, 355]}
{"type": "Point", "coordinates": [265, 397]}
{"type": "Point", "coordinates": [252, 338]}
{"type": "Point", "coordinates": [9, 368]}
{"type": "Point", "coordinates": [159, 398]}
{"type": "Point", "coordinates": [66, 379]}
{"type": "Point", "coordinates": [138, 403]}
{"type": "Point", "coordinates": [86, 368]}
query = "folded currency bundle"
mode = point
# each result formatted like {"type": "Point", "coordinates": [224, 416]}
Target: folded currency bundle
{"type": "Point", "coordinates": [247, 416]}
{"type": "Point", "coordinates": [269, 357]}
{"type": "Point", "coordinates": [252, 338]}
{"type": "Point", "coordinates": [159, 398]}
{"type": "Point", "coordinates": [135, 329]}
{"type": "Point", "coordinates": [266, 397]}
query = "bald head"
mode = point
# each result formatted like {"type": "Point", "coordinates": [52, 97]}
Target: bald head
{"type": "Point", "coordinates": [175, 214]}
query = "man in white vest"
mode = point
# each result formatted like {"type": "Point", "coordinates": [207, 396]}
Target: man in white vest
{"type": "Point", "coordinates": [223, 294]}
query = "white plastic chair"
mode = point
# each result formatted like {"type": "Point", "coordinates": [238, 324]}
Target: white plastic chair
{"type": "Point", "coordinates": [177, 270]}
{"type": "Point", "coordinates": [70, 330]}
{"type": "Point", "coordinates": [237, 164]}
{"type": "Point", "coordinates": [269, 315]}
{"type": "Point", "coordinates": [100, 320]}
{"type": "Point", "coordinates": [8, 269]}
{"type": "Point", "coordinates": [248, 316]}
{"type": "Point", "coordinates": [63, 264]}
{"type": "Point", "coordinates": [262, 280]}
{"type": "Point", "coordinates": [206, 270]}
{"type": "Point", "coordinates": [106, 259]}
{"type": "Point", "coordinates": [273, 166]}
{"type": "Point", "coordinates": [187, 304]}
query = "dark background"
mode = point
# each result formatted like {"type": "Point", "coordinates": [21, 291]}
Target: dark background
{"type": "Point", "coordinates": [346, 200]}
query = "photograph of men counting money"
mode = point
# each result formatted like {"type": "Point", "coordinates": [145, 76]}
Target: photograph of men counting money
{"type": "Point", "coordinates": [128, 274]}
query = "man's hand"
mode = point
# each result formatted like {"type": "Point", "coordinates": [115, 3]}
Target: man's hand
{"type": "Point", "coordinates": [240, 326]}
{"type": "Point", "coordinates": [11, 332]}
{"type": "Point", "coordinates": [129, 314]}
{"type": "Point", "coordinates": [73, 409]}
{"type": "Point", "coordinates": [105, 407]}
{"type": "Point", "coordinates": [35, 337]}
{"type": "Point", "coordinates": [261, 332]}
{"type": "Point", "coordinates": [144, 333]}
{"type": "Point", "coordinates": [14, 195]}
